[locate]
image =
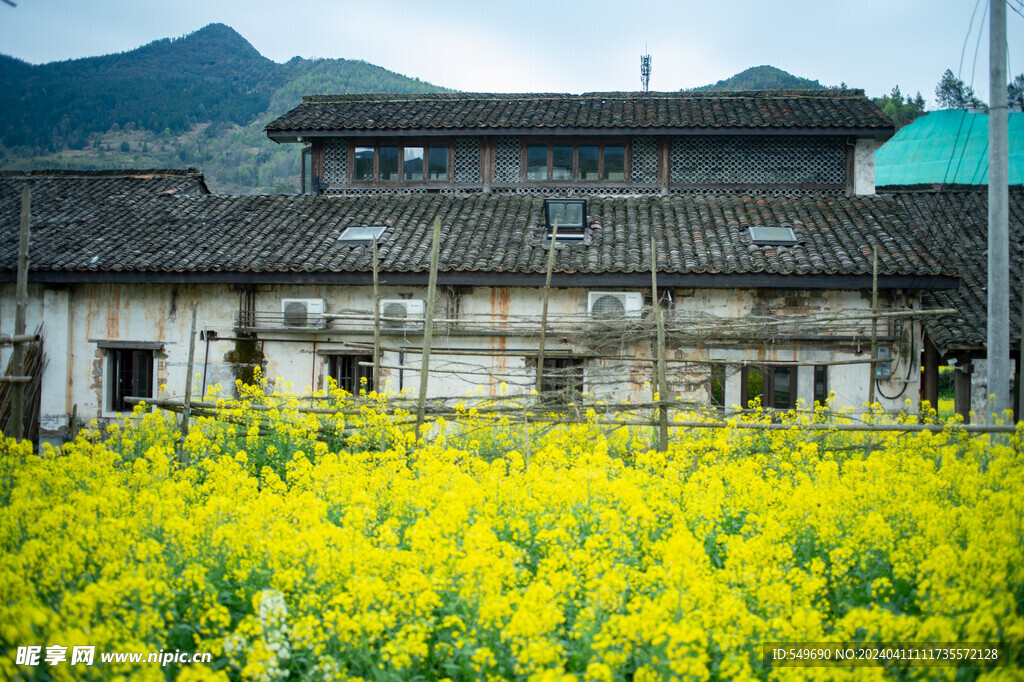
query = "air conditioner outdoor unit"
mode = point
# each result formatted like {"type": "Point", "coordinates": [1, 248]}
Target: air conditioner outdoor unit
{"type": "Point", "coordinates": [302, 312]}
{"type": "Point", "coordinates": [400, 314]}
{"type": "Point", "coordinates": [614, 305]}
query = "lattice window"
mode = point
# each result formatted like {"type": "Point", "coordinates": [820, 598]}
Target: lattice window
{"type": "Point", "coordinates": [586, 190]}
{"type": "Point", "coordinates": [769, 160]}
{"type": "Point", "coordinates": [645, 161]}
{"type": "Point", "coordinates": [467, 159]}
{"type": "Point", "coordinates": [336, 162]}
{"type": "Point", "coordinates": [507, 159]}
{"type": "Point", "coordinates": [773, 192]}
{"type": "Point", "coordinates": [371, 191]}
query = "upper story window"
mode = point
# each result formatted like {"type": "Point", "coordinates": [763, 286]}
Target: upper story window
{"type": "Point", "coordinates": [401, 163]}
{"type": "Point", "coordinates": [583, 161]}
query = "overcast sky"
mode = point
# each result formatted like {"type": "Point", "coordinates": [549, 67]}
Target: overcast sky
{"type": "Point", "coordinates": [557, 45]}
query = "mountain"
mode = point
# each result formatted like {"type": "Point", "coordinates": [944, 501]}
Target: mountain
{"type": "Point", "coordinates": [764, 78]}
{"type": "Point", "coordinates": [202, 99]}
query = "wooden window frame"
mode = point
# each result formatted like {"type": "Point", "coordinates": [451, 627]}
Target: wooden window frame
{"type": "Point", "coordinates": [122, 380]}
{"type": "Point", "coordinates": [426, 144]}
{"type": "Point", "coordinates": [333, 369]}
{"type": "Point", "coordinates": [768, 385]}
{"type": "Point", "coordinates": [563, 394]}
{"type": "Point", "coordinates": [551, 143]}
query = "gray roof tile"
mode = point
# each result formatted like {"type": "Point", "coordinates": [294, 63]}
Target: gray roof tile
{"type": "Point", "coordinates": [808, 109]}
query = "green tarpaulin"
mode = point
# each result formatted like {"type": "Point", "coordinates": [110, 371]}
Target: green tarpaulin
{"type": "Point", "coordinates": [946, 147]}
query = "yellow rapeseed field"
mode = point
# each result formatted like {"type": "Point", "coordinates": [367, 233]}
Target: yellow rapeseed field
{"type": "Point", "coordinates": [311, 546]}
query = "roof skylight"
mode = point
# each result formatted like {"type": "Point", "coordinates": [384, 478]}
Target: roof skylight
{"type": "Point", "coordinates": [764, 235]}
{"type": "Point", "coordinates": [361, 234]}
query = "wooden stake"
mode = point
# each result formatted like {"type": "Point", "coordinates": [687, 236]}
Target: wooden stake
{"type": "Point", "coordinates": [16, 425]}
{"type": "Point", "coordinates": [428, 327]}
{"type": "Point", "coordinates": [661, 378]}
{"type": "Point", "coordinates": [544, 312]}
{"type": "Point", "coordinates": [186, 411]}
{"type": "Point", "coordinates": [376, 322]}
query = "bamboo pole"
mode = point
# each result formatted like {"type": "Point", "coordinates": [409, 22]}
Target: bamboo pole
{"type": "Point", "coordinates": [8, 339]}
{"type": "Point", "coordinates": [874, 328]}
{"type": "Point", "coordinates": [176, 405]}
{"type": "Point", "coordinates": [16, 423]}
{"type": "Point", "coordinates": [187, 403]}
{"type": "Point", "coordinates": [662, 379]}
{"type": "Point", "coordinates": [544, 312]}
{"type": "Point", "coordinates": [428, 326]}
{"type": "Point", "coordinates": [376, 321]}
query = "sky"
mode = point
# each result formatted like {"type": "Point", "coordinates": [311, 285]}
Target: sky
{"type": "Point", "coordinates": [557, 45]}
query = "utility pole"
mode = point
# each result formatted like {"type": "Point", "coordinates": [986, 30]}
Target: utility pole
{"type": "Point", "coordinates": [998, 342]}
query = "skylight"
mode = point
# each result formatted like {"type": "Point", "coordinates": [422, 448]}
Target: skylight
{"type": "Point", "coordinates": [763, 235]}
{"type": "Point", "coordinates": [361, 235]}
{"type": "Point", "coordinates": [570, 214]}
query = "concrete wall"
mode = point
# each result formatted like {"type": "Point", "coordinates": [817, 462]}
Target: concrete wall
{"type": "Point", "coordinates": [79, 320]}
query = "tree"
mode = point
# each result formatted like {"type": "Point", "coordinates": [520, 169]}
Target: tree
{"type": "Point", "coordinates": [902, 110]}
{"type": "Point", "coordinates": [952, 93]}
{"type": "Point", "coordinates": [1015, 91]}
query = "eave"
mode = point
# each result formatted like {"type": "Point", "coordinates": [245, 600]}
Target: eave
{"type": "Point", "coordinates": [499, 279]}
{"type": "Point", "coordinates": [565, 131]}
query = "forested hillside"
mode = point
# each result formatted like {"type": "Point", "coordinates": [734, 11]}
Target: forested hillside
{"type": "Point", "coordinates": [201, 100]}
{"type": "Point", "coordinates": [763, 78]}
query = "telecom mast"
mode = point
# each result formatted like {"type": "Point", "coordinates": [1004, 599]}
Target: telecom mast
{"type": "Point", "coordinates": [645, 70]}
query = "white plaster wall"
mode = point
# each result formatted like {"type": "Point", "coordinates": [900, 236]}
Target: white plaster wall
{"type": "Point", "coordinates": [864, 166]}
{"type": "Point", "coordinates": [78, 317]}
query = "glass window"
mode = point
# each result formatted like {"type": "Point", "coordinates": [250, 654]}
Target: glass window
{"type": "Point", "coordinates": [561, 162]}
{"type": "Point", "coordinates": [536, 163]}
{"type": "Point", "coordinates": [388, 164]}
{"type": "Point", "coordinates": [820, 384]}
{"type": "Point", "coordinates": [412, 163]}
{"type": "Point", "coordinates": [774, 385]}
{"type": "Point", "coordinates": [754, 385]}
{"type": "Point", "coordinates": [131, 375]}
{"type": "Point", "coordinates": [615, 163]}
{"type": "Point", "coordinates": [364, 163]}
{"type": "Point", "coordinates": [589, 162]}
{"type": "Point", "coordinates": [438, 163]}
{"type": "Point", "coordinates": [782, 395]}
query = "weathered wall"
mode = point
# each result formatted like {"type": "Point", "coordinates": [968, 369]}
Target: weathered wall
{"type": "Point", "coordinates": [864, 166]}
{"type": "Point", "coordinates": [79, 319]}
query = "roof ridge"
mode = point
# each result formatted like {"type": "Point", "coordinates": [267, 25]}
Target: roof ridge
{"type": "Point", "coordinates": [626, 95]}
{"type": "Point", "coordinates": [101, 172]}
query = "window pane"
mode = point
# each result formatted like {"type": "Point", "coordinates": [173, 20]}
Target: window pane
{"type": "Point", "coordinates": [412, 163]}
{"type": "Point", "coordinates": [561, 162]}
{"type": "Point", "coordinates": [568, 213]}
{"type": "Point", "coordinates": [388, 165]}
{"type": "Point", "coordinates": [364, 163]}
{"type": "Point", "coordinates": [614, 163]}
{"type": "Point", "coordinates": [438, 163]}
{"type": "Point", "coordinates": [782, 396]}
{"type": "Point", "coordinates": [536, 163]}
{"type": "Point", "coordinates": [142, 383]}
{"type": "Point", "coordinates": [588, 163]}
{"type": "Point", "coordinates": [820, 384]}
{"type": "Point", "coordinates": [755, 385]}
{"type": "Point", "coordinates": [718, 385]}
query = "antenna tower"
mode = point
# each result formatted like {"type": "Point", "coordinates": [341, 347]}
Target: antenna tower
{"type": "Point", "coordinates": [645, 70]}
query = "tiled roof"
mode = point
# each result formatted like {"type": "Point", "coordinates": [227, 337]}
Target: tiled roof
{"type": "Point", "coordinates": [133, 231]}
{"type": "Point", "coordinates": [65, 192]}
{"type": "Point", "coordinates": [807, 109]}
{"type": "Point", "coordinates": [958, 219]}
